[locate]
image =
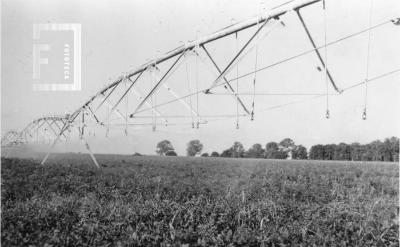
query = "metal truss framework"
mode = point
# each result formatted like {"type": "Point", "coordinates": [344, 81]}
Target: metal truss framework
{"type": "Point", "coordinates": [100, 108]}
{"type": "Point", "coordinates": [40, 130]}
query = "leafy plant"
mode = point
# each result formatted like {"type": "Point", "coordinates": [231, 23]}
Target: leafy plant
{"type": "Point", "coordinates": [171, 201]}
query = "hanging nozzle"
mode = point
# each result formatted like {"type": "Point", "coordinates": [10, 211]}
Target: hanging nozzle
{"type": "Point", "coordinates": [364, 115]}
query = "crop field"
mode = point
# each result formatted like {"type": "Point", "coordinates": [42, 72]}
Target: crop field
{"type": "Point", "coordinates": [178, 201]}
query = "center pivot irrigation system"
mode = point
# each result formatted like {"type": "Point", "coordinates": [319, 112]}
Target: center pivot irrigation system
{"type": "Point", "coordinates": [142, 97]}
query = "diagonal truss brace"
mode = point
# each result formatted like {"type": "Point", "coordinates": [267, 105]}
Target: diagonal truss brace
{"type": "Point", "coordinates": [38, 126]}
{"type": "Point", "coordinates": [56, 124]}
{"type": "Point", "coordinates": [317, 51]}
{"type": "Point", "coordinates": [137, 94]}
{"type": "Point", "coordinates": [152, 91]}
{"type": "Point", "coordinates": [234, 94]}
{"type": "Point", "coordinates": [118, 112]}
{"type": "Point", "coordinates": [64, 128]}
{"type": "Point", "coordinates": [235, 58]}
{"type": "Point", "coordinates": [127, 91]}
{"type": "Point", "coordinates": [94, 116]}
{"type": "Point", "coordinates": [51, 127]}
{"type": "Point", "coordinates": [171, 91]}
{"type": "Point", "coordinates": [106, 97]}
{"type": "Point", "coordinates": [174, 94]}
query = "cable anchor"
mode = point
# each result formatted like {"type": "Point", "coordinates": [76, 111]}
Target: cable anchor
{"type": "Point", "coordinates": [327, 114]}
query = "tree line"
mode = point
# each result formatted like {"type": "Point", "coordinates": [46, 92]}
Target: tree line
{"type": "Point", "coordinates": [386, 150]}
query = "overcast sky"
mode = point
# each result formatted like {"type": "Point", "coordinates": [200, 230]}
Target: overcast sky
{"type": "Point", "coordinates": [118, 36]}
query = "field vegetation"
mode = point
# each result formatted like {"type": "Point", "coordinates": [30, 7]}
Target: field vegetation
{"type": "Point", "coordinates": [194, 201]}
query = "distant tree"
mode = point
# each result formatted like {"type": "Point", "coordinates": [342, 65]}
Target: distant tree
{"type": "Point", "coordinates": [163, 147]}
{"type": "Point", "coordinates": [375, 149]}
{"type": "Point", "coordinates": [271, 146]}
{"type": "Point", "coordinates": [317, 152]}
{"type": "Point", "coordinates": [287, 145]}
{"type": "Point", "coordinates": [299, 153]}
{"type": "Point", "coordinates": [272, 151]}
{"type": "Point", "coordinates": [171, 153]}
{"type": "Point", "coordinates": [394, 147]}
{"type": "Point", "coordinates": [214, 154]}
{"type": "Point", "coordinates": [390, 149]}
{"type": "Point", "coordinates": [367, 152]}
{"type": "Point", "coordinates": [227, 153]}
{"type": "Point", "coordinates": [282, 155]}
{"type": "Point", "coordinates": [329, 152]}
{"type": "Point", "coordinates": [342, 152]}
{"type": "Point", "coordinates": [237, 150]}
{"type": "Point", "coordinates": [355, 151]}
{"type": "Point", "coordinates": [255, 151]}
{"type": "Point", "coordinates": [387, 150]}
{"type": "Point", "coordinates": [194, 147]}
{"type": "Point", "coordinates": [204, 155]}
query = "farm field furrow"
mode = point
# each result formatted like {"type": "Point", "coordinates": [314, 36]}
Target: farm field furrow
{"type": "Point", "coordinates": [179, 201]}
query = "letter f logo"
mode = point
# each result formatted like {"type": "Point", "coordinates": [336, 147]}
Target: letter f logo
{"type": "Point", "coordinates": [38, 60]}
{"type": "Point", "coordinates": [37, 49]}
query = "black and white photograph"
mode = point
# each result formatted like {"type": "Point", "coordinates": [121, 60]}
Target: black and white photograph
{"type": "Point", "coordinates": [200, 123]}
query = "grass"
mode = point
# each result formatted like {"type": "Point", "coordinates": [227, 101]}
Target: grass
{"type": "Point", "coordinates": [177, 201]}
